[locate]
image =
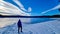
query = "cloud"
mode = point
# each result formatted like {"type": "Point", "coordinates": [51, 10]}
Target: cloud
{"type": "Point", "coordinates": [29, 9]}
{"type": "Point", "coordinates": [21, 6]}
{"type": "Point", "coordinates": [12, 9]}
{"type": "Point", "coordinates": [56, 7]}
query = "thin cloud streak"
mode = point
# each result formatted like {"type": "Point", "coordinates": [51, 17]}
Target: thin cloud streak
{"type": "Point", "coordinates": [21, 6]}
{"type": "Point", "coordinates": [56, 7]}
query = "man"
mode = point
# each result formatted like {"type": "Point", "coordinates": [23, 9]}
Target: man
{"type": "Point", "coordinates": [19, 26]}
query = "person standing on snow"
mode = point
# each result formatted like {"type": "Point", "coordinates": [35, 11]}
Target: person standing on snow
{"type": "Point", "coordinates": [19, 24]}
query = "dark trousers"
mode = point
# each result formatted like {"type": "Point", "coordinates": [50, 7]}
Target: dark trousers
{"type": "Point", "coordinates": [19, 29]}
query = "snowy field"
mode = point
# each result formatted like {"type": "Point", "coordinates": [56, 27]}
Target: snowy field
{"type": "Point", "coordinates": [48, 27]}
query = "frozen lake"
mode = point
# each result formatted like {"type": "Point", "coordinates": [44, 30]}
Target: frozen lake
{"type": "Point", "coordinates": [48, 27]}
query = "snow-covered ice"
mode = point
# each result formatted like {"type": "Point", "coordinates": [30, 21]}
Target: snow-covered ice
{"type": "Point", "coordinates": [48, 27]}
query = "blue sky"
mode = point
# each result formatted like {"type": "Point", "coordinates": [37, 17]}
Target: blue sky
{"type": "Point", "coordinates": [38, 6]}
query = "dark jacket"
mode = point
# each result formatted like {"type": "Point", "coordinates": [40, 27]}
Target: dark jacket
{"type": "Point", "coordinates": [19, 24]}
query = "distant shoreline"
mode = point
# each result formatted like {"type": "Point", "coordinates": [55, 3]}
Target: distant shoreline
{"type": "Point", "coordinates": [17, 16]}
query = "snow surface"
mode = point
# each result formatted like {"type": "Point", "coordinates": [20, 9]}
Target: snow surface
{"type": "Point", "coordinates": [49, 27]}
